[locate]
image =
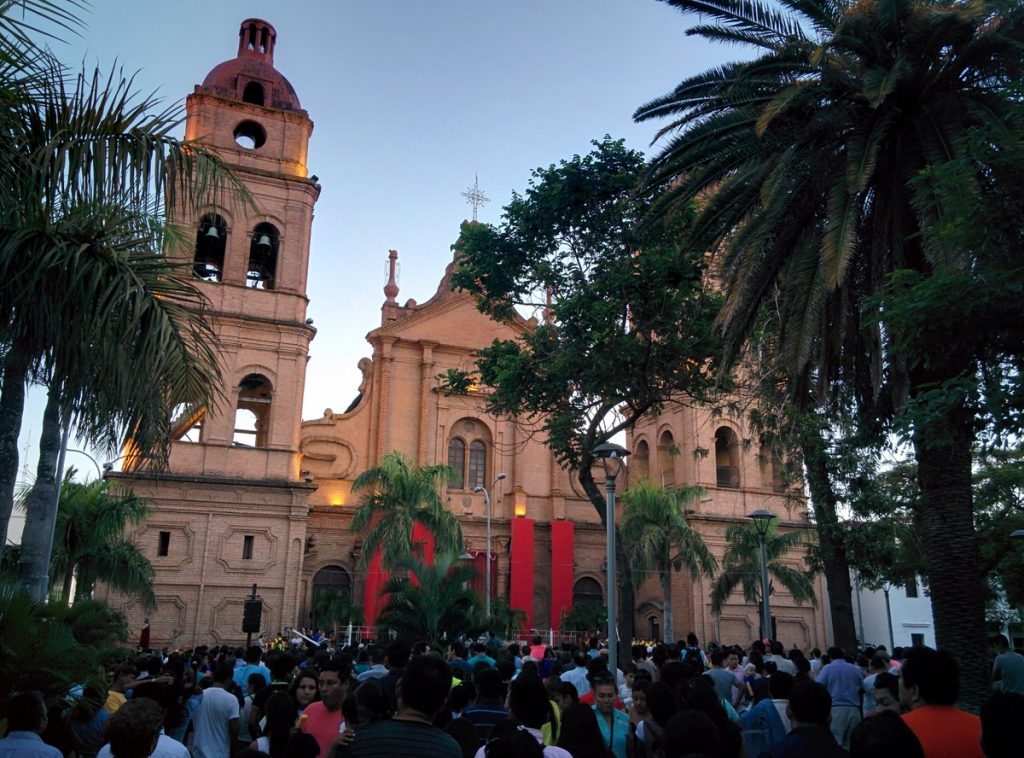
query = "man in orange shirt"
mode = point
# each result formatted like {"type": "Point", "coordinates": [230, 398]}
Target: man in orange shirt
{"type": "Point", "coordinates": [929, 685]}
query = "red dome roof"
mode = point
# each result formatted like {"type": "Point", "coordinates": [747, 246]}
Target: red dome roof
{"type": "Point", "coordinates": [251, 76]}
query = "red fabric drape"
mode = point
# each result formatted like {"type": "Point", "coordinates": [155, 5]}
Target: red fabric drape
{"type": "Point", "coordinates": [422, 547]}
{"type": "Point", "coordinates": [521, 590]}
{"type": "Point", "coordinates": [479, 581]}
{"type": "Point", "coordinates": [562, 556]}
{"type": "Point", "coordinates": [372, 603]}
{"type": "Point", "coordinates": [423, 543]}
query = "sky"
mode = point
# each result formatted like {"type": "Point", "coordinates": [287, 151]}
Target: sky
{"type": "Point", "coordinates": [411, 99]}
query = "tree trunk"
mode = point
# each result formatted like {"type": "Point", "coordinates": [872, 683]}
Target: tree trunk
{"type": "Point", "coordinates": [942, 443]}
{"type": "Point", "coordinates": [36, 542]}
{"type": "Point", "coordinates": [69, 574]}
{"type": "Point", "coordinates": [666, 604]}
{"type": "Point", "coordinates": [830, 541]}
{"type": "Point", "coordinates": [627, 598]}
{"type": "Point", "coordinates": [12, 407]}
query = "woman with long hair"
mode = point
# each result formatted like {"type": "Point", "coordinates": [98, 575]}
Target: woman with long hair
{"type": "Point", "coordinates": [304, 689]}
{"type": "Point", "coordinates": [280, 720]}
{"type": "Point", "coordinates": [580, 734]}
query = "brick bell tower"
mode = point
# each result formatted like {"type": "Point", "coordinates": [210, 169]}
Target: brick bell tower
{"type": "Point", "coordinates": [231, 509]}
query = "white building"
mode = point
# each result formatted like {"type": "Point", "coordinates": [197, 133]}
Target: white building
{"type": "Point", "coordinates": [911, 613]}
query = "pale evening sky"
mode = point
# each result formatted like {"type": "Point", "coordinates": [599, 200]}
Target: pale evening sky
{"type": "Point", "coordinates": [410, 99]}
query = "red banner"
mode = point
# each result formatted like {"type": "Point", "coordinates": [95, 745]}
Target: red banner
{"type": "Point", "coordinates": [521, 590]}
{"type": "Point", "coordinates": [562, 556]}
{"type": "Point", "coordinates": [423, 543]}
{"type": "Point", "coordinates": [372, 603]}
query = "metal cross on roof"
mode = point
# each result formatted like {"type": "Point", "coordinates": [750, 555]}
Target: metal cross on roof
{"type": "Point", "coordinates": [475, 197]}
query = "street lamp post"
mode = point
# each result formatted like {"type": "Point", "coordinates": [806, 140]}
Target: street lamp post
{"type": "Point", "coordinates": [612, 457]}
{"type": "Point", "coordinates": [762, 522]}
{"type": "Point", "coordinates": [487, 557]}
{"type": "Point", "coordinates": [96, 463]}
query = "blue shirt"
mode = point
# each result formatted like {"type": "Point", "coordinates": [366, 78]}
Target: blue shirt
{"type": "Point", "coordinates": [26, 745]}
{"type": "Point", "coordinates": [578, 677]}
{"type": "Point", "coordinates": [241, 675]}
{"type": "Point", "coordinates": [481, 657]}
{"type": "Point", "coordinates": [614, 736]}
{"type": "Point", "coordinates": [844, 682]}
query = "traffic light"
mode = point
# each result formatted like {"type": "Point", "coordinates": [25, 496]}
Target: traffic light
{"type": "Point", "coordinates": [251, 616]}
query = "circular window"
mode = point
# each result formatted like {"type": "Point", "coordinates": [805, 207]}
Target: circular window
{"type": "Point", "coordinates": [250, 135]}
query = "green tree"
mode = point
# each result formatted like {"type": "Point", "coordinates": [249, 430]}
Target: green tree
{"type": "Point", "coordinates": [50, 646]}
{"type": "Point", "coordinates": [87, 166]}
{"type": "Point", "coordinates": [843, 163]}
{"type": "Point", "coordinates": [626, 320]}
{"type": "Point", "coordinates": [586, 617]}
{"type": "Point", "coordinates": [505, 620]}
{"type": "Point", "coordinates": [431, 601]}
{"type": "Point", "coordinates": [658, 538]}
{"type": "Point", "coordinates": [333, 606]}
{"type": "Point", "coordinates": [90, 544]}
{"type": "Point", "coordinates": [397, 494]}
{"type": "Point", "coordinates": [999, 497]}
{"type": "Point", "coordinates": [741, 567]}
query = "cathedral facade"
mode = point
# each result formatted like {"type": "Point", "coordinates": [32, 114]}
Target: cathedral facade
{"type": "Point", "coordinates": [254, 495]}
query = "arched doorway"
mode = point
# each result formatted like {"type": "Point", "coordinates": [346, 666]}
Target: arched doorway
{"type": "Point", "coordinates": [332, 604]}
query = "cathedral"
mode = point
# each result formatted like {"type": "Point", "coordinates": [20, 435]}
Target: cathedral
{"type": "Point", "coordinates": [255, 495]}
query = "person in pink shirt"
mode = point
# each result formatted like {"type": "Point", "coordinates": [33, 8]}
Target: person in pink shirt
{"type": "Point", "coordinates": [537, 647]}
{"type": "Point", "coordinates": [324, 720]}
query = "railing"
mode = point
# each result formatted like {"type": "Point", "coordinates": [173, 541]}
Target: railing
{"type": "Point", "coordinates": [355, 635]}
{"type": "Point", "coordinates": [728, 476]}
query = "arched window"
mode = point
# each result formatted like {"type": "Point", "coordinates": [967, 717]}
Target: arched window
{"type": "Point", "coordinates": [262, 266]}
{"type": "Point", "coordinates": [469, 450]}
{"type": "Point", "coordinates": [727, 457]}
{"type": "Point", "coordinates": [641, 463]}
{"type": "Point", "coordinates": [252, 414]}
{"type": "Point", "coordinates": [457, 460]}
{"type": "Point", "coordinates": [253, 93]}
{"type": "Point", "coordinates": [477, 464]}
{"type": "Point", "coordinates": [654, 627]}
{"type": "Point", "coordinates": [666, 459]}
{"type": "Point", "coordinates": [211, 242]}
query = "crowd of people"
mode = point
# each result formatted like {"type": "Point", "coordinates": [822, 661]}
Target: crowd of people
{"type": "Point", "coordinates": [292, 700]}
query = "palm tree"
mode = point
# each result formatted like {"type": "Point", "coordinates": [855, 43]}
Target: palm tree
{"type": "Point", "coordinates": [50, 647]}
{"type": "Point", "coordinates": [90, 542]}
{"type": "Point", "coordinates": [86, 167]}
{"type": "Point", "coordinates": [397, 494]}
{"type": "Point", "coordinates": [657, 537]}
{"type": "Point", "coordinates": [741, 567]}
{"type": "Point", "coordinates": [845, 164]}
{"type": "Point", "coordinates": [333, 606]}
{"type": "Point", "coordinates": [589, 617]}
{"type": "Point", "coordinates": [505, 620]}
{"type": "Point", "coordinates": [431, 601]}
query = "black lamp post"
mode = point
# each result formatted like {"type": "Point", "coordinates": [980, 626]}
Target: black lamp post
{"type": "Point", "coordinates": [612, 457]}
{"type": "Point", "coordinates": [762, 523]}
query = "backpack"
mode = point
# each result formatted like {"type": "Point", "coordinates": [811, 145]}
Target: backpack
{"type": "Point", "coordinates": [693, 652]}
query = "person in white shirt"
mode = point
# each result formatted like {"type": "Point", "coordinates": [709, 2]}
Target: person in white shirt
{"type": "Point", "coordinates": [216, 720]}
{"type": "Point", "coordinates": [578, 674]}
